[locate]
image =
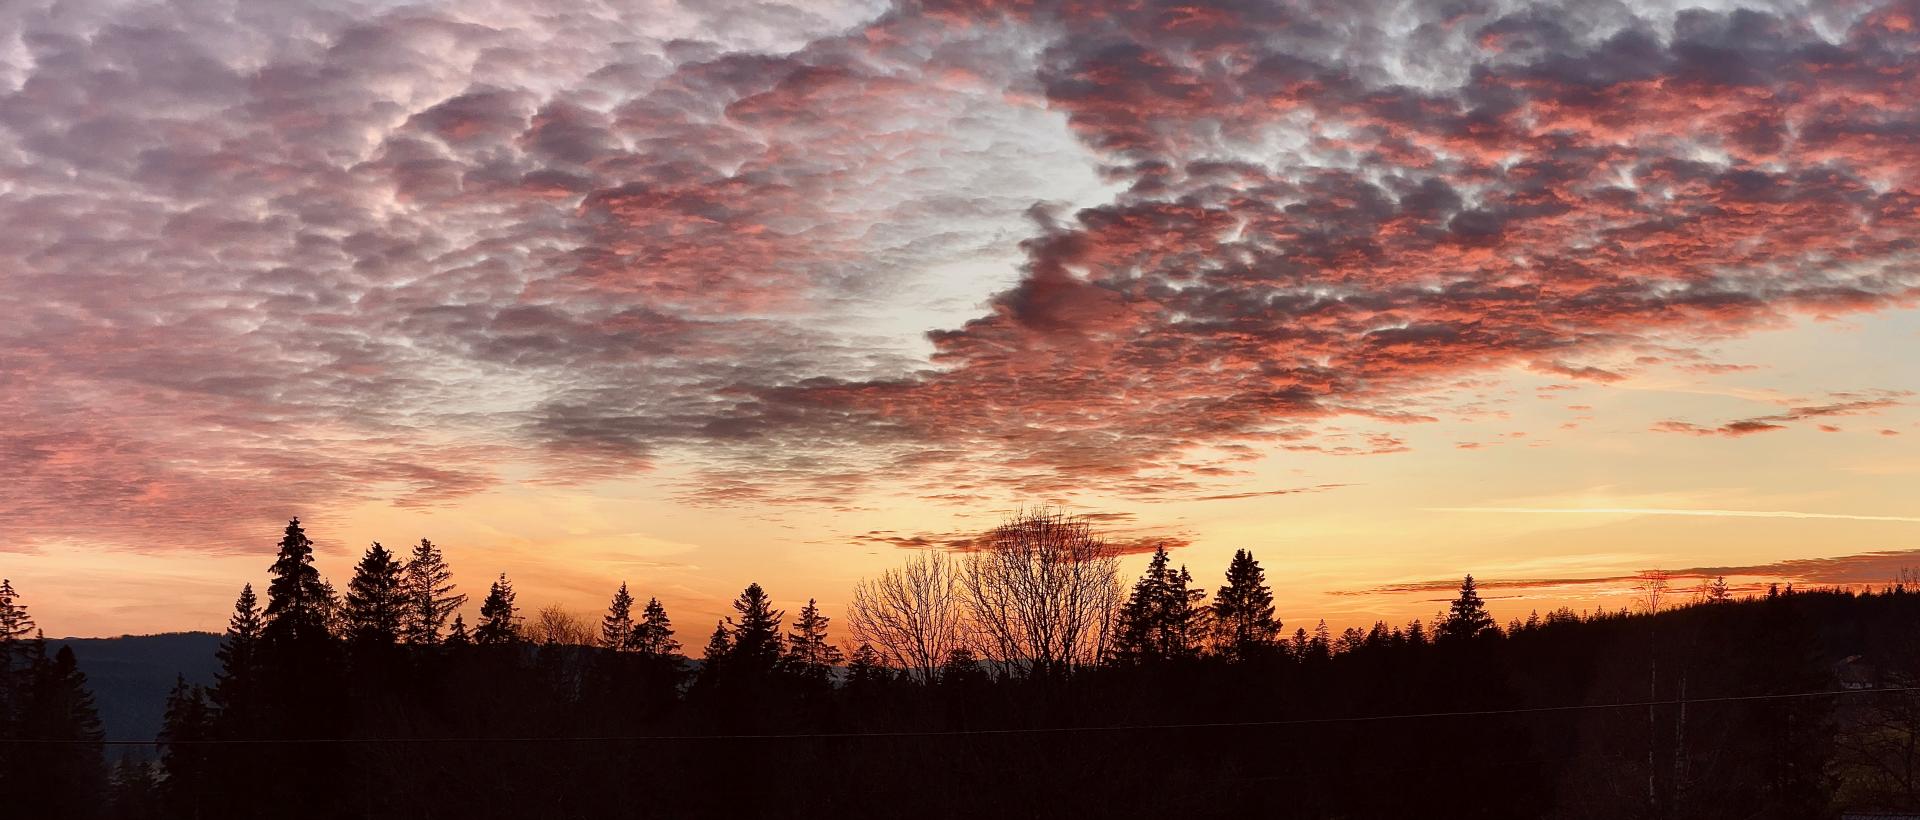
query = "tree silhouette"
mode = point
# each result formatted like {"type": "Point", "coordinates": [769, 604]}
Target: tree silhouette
{"type": "Point", "coordinates": [430, 595]}
{"type": "Point", "coordinates": [499, 618]}
{"type": "Point", "coordinates": [376, 605]}
{"type": "Point", "coordinates": [1160, 620]}
{"type": "Point", "coordinates": [15, 624]}
{"type": "Point", "coordinates": [810, 657]}
{"type": "Point", "coordinates": [755, 635]}
{"type": "Point", "coordinates": [1042, 590]}
{"type": "Point", "coordinates": [1468, 617]}
{"type": "Point", "coordinates": [866, 669]}
{"type": "Point", "coordinates": [1718, 592]}
{"type": "Point", "coordinates": [653, 636]}
{"type": "Point", "coordinates": [913, 615]}
{"type": "Point", "coordinates": [66, 777]}
{"type": "Point", "coordinates": [616, 629]}
{"type": "Point", "coordinates": [237, 683]}
{"type": "Point", "coordinates": [188, 722]}
{"type": "Point", "coordinates": [1243, 619]}
{"type": "Point", "coordinates": [298, 601]}
{"type": "Point", "coordinates": [713, 659]}
{"type": "Point", "coordinates": [457, 634]}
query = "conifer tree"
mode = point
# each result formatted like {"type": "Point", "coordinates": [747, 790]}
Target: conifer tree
{"type": "Point", "coordinates": [334, 611]}
{"type": "Point", "coordinates": [1718, 592]}
{"type": "Point", "coordinates": [297, 599]}
{"type": "Point", "coordinates": [136, 795]}
{"type": "Point", "coordinates": [499, 618]}
{"type": "Point", "coordinates": [1320, 647]}
{"type": "Point", "coordinates": [1160, 619]}
{"type": "Point", "coordinates": [457, 634]}
{"type": "Point", "coordinates": [810, 657]}
{"type": "Point", "coordinates": [188, 722]}
{"type": "Point", "coordinates": [755, 635]}
{"type": "Point", "coordinates": [714, 658]}
{"type": "Point", "coordinates": [865, 668]}
{"type": "Point", "coordinates": [16, 626]}
{"type": "Point", "coordinates": [962, 670]}
{"type": "Point", "coordinates": [653, 636]}
{"type": "Point", "coordinates": [616, 628]}
{"type": "Point", "coordinates": [239, 655]}
{"type": "Point", "coordinates": [1243, 619]}
{"type": "Point", "coordinates": [1468, 617]}
{"type": "Point", "coordinates": [67, 776]}
{"type": "Point", "coordinates": [430, 596]}
{"type": "Point", "coordinates": [376, 605]}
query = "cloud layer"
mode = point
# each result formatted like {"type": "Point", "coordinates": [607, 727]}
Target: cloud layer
{"type": "Point", "coordinates": [264, 257]}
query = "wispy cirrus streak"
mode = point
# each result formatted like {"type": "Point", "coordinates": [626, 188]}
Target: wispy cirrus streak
{"type": "Point", "coordinates": [1883, 567]}
{"type": "Point", "coordinates": [1679, 512]}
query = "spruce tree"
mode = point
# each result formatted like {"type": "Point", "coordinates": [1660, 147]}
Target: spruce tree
{"type": "Point", "coordinates": [16, 626]}
{"type": "Point", "coordinates": [238, 680]}
{"type": "Point", "coordinates": [67, 776]}
{"type": "Point", "coordinates": [1243, 619]}
{"type": "Point", "coordinates": [713, 659]}
{"type": "Point", "coordinates": [810, 657]}
{"type": "Point", "coordinates": [457, 634]}
{"type": "Point", "coordinates": [188, 722]}
{"type": "Point", "coordinates": [1468, 617]}
{"type": "Point", "coordinates": [376, 605]}
{"type": "Point", "coordinates": [297, 599]}
{"type": "Point", "coordinates": [430, 595]}
{"type": "Point", "coordinates": [1718, 592]}
{"type": "Point", "coordinates": [1141, 615]}
{"type": "Point", "coordinates": [499, 618]}
{"type": "Point", "coordinates": [866, 669]}
{"type": "Point", "coordinates": [755, 635]}
{"type": "Point", "coordinates": [1320, 647]}
{"type": "Point", "coordinates": [1184, 621]}
{"type": "Point", "coordinates": [616, 628]}
{"type": "Point", "coordinates": [653, 637]}
{"type": "Point", "coordinates": [1161, 619]}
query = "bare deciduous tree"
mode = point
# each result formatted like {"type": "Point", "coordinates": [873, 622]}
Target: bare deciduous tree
{"type": "Point", "coordinates": [1650, 590]}
{"type": "Point", "coordinates": [912, 614]}
{"type": "Point", "coordinates": [554, 624]}
{"type": "Point", "coordinates": [1042, 591]}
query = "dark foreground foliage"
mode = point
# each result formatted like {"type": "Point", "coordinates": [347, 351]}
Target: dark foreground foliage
{"type": "Point", "coordinates": [327, 714]}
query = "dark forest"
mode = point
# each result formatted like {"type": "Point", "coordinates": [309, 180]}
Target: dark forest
{"type": "Point", "coordinates": [1016, 679]}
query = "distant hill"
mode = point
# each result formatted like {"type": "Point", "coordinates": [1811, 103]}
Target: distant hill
{"type": "Point", "coordinates": [131, 675]}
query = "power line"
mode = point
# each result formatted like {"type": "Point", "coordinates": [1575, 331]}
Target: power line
{"type": "Point", "coordinates": [1136, 727]}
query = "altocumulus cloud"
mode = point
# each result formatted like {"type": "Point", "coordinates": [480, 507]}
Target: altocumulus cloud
{"type": "Point", "coordinates": [269, 255]}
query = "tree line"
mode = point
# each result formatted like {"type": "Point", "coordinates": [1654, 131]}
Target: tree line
{"type": "Point", "coordinates": [1020, 677]}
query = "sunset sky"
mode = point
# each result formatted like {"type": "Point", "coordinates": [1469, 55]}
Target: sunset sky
{"type": "Point", "coordinates": [696, 294]}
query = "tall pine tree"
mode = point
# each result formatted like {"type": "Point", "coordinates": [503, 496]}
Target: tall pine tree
{"type": "Point", "coordinates": [755, 634]}
{"type": "Point", "coordinates": [810, 657]}
{"type": "Point", "coordinates": [298, 600]}
{"type": "Point", "coordinates": [616, 628]}
{"type": "Point", "coordinates": [1468, 617]}
{"type": "Point", "coordinates": [66, 776]}
{"type": "Point", "coordinates": [237, 682]}
{"type": "Point", "coordinates": [499, 618]}
{"type": "Point", "coordinates": [187, 724]}
{"type": "Point", "coordinates": [376, 599]}
{"type": "Point", "coordinates": [1161, 619]}
{"type": "Point", "coordinates": [653, 637]}
{"type": "Point", "coordinates": [1243, 619]}
{"type": "Point", "coordinates": [431, 599]}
